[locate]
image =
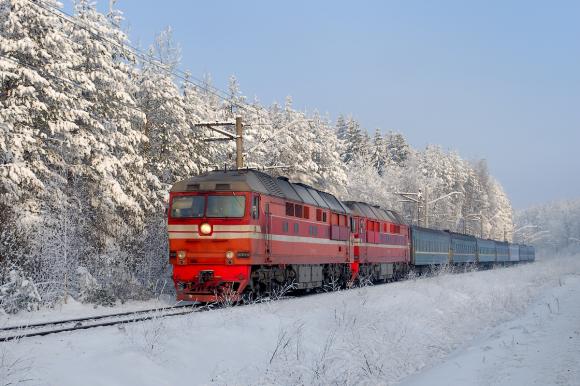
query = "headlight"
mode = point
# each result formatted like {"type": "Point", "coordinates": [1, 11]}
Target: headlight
{"type": "Point", "coordinates": [181, 254]}
{"type": "Point", "coordinates": [205, 228]}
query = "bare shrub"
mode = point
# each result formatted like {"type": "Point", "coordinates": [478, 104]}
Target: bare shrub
{"type": "Point", "coordinates": [14, 370]}
{"type": "Point", "coordinates": [148, 336]}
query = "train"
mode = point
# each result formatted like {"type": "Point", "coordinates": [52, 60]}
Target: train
{"type": "Point", "coordinates": [243, 232]}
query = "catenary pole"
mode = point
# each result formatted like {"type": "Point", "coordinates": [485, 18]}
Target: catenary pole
{"type": "Point", "coordinates": [239, 143]}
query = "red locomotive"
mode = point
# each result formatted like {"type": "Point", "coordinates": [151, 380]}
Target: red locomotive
{"type": "Point", "coordinates": [243, 231]}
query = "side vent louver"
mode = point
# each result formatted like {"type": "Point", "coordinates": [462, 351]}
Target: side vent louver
{"type": "Point", "coordinates": [270, 184]}
{"type": "Point", "coordinates": [222, 187]}
{"type": "Point", "coordinates": [193, 187]}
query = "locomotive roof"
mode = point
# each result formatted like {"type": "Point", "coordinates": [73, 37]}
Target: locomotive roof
{"type": "Point", "coordinates": [256, 181]}
{"type": "Point", "coordinates": [365, 210]}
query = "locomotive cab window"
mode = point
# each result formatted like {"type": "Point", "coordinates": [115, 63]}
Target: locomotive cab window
{"type": "Point", "coordinates": [187, 206]}
{"type": "Point", "coordinates": [226, 206]}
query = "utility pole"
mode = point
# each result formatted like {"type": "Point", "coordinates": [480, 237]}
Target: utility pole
{"type": "Point", "coordinates": [239, 143]}
{"type": "Point", "coordinates": [412, 197]}
{"type": "Point", "coordinates": [425, 210]}
{"type": "Point", "coordinates": [227, 136]}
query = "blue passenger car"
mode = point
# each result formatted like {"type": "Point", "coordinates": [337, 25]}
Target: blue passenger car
{"type": "Point", "coordinates": [430, 246]}
{"type": "Point", "coordinates": [502, 251]}
{"type": "Point", "coordinates": [463, 248]}
{"type": "Point", "coordinates": [485, 251]}
{"type": "Point", "coordinates": [527, 253]}
{"type": "Point", "coordinates": [514, 250]}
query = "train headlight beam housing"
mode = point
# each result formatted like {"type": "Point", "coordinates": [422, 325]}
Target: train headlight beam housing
{"type": "Point", "coordinates": [205, 229]}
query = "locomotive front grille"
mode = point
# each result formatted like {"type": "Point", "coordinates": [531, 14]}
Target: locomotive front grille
{"type": "Point", "coordinates": [206, 275]}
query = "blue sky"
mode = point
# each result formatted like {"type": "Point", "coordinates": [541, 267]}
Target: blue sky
{"type": "Point", "coordinates": [498, 80]}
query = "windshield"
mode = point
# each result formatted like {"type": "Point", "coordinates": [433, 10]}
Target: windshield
{"type": "Point", "coordinates": [226, 206]}
{"type": "Point", "coordinates": [187, 206]}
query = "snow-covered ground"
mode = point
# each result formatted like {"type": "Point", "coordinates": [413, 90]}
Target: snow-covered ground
{"type": "Point", "coordinates": [458, 327]}
{"type": "Point", "coordinates": [542, 347]}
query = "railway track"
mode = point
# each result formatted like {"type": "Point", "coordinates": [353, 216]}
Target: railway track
{"type": "Point", "coordinates": [53, 327]}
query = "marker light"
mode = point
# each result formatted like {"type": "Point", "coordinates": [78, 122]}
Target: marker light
{"type": "Point", "coordinates": [205, 228]}
{"type": "Point", "coordinates": [229, 257]}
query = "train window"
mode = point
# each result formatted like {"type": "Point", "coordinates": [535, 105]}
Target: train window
{"type": "Point", "coordinates": [226, 206]}
{"type": "Point", "coordinates": [289, 209]}
{"type": "Point", "coordinates": [296, 228]}
{"type": "Point", "coordinates": [256, 207]}
{"type": "Point", "coordinates": [306, 212]}
{"type": "Point", "coordinates": [187, 206]}
{"type": "Point", "coordinates": [318, 214]}
{"type": "Point", "coordinates": [285, 226]}
{"type": "Point", "coordinates": [298, 210]}
{"type": "Point", "coordinates": [313, 230]}
{"type": "Point", "coordinates": [323, 216]}
{"type": "Point", "coordinates": [352, 225]}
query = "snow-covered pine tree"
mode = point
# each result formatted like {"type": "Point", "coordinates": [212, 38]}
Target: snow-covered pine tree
{"type": "Point", "coordinates": [353, 142]}
{"type": "Point", "coordinates": [379, 154]}
{"type": "Point", "coordinates": [397, 147]}
{"type": "Point", "coordinates": [167, 126]}
{"type": "Point", "coordinates": [325, 168]}
{"type": "Point", "coordinates": [40, 96]}
{"type": "Point", "coordinates": [42, 105]}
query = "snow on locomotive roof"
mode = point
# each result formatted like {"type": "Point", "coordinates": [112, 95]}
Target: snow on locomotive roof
{"type": "Point", "coordinates": [256, 181]}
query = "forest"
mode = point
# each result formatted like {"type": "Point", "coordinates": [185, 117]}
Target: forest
{"type": "Point", "coordinates": [93, 132]}
{"type": "Point", "coordinates": [552, 227]}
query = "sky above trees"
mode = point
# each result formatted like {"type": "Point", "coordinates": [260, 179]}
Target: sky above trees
{"type": "Point", "coordinates": [495, 80]}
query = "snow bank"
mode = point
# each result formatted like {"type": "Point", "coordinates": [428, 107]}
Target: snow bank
{"type": "Point", "coordinates": [541, 347]}
{"type": "Point", "coordinates": [372, 335]}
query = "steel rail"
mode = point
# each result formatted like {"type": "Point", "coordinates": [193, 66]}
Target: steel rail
{"type": "Point", "coordinates": [17, 332]}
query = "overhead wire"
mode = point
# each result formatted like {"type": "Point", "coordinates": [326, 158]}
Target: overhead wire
{"type": "Point", "coordinates": [157, 62]}
{"type": "Point", "coordinates": [180, 74]}
{"type": "Point", "coordinates": [72, 83]}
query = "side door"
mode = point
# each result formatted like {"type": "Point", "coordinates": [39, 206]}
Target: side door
{"type": "Point", "coordinates": [362, 231]}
